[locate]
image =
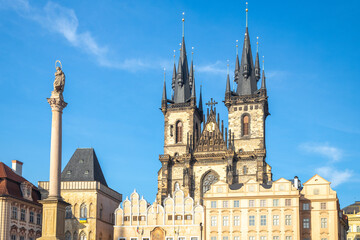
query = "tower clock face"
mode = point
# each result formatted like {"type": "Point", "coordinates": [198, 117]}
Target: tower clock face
{"type": "Point", "coordinates": [210, 127]}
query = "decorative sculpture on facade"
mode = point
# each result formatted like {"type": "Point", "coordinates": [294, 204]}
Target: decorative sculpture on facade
{"type": "Point", "coordinates": [209, 179]}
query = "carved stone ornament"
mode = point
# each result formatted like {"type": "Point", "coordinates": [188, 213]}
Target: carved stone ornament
{"type": "Point", "coordinates": [59, 82]}
{"type": "Point", "coordinates": [209, 179]}
{"type": "Point", "coordinates": [57, 104]}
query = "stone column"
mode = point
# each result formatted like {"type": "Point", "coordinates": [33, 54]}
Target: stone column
{"type": "Point", "coordinates": [57, 105]}
{"type": "Point", "coordinates": [53, 227]}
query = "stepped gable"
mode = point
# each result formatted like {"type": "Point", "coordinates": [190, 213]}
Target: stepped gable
{"type": "Point", "coordinates": [83, 166]}
{"type": "Point", "coordinates": [10, 184]}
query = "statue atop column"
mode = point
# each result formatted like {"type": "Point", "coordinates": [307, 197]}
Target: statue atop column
{"type": "Point", "coordinates": [59, 82]}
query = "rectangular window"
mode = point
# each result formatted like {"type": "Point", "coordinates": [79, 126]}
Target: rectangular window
{"type": "Point", "coordinates": [135, 218]}
{"type": "Point", "coordinates": [147, 239]}
{"type": "Point", "coordinates": [225, 238]}
{"type": "Point", "coordinates": [213, 221]}
{"type": "Point", "coordinates": [181, 238]}
{"type": "Point", "coordinates": [130, 238]}
{"type": "Point", "coordinates": [275, 202]}
{"type": "Point", "coordinates": [169, 238]}
{"type": "Point", "coordinates": [14, 213]}
{"type": "Point", "coordinates": [142, 218]}
{"type": "Point", "coordinates": [13, 237]}
{"type": "Point", "coordinates": [251, 220]}
{"type": "Point", "coordinates": [251, 238]}
{"type": "Point", "coordinates": [262, 238]}
{"type": "Point", "coordinates": [213, 238]}
{"type": "Point", "coordinates": [324, 223]}
{"type": "Point", "coordinates": [22, 214]}
{"type": "Point", "coordinates": [194, 238]}
{"type": "Point", "coordinates": [236, 220]}
{"type": "Point", "coordinates": [263, 220]}
{"type": "Point", "coordinates": [262, 203]}
{"type": "Point", "coordinates": [306, 223]}
{"type": "Point", "coordinates": [178, 217]}
{"type": "Point", "coordinates": [31, 218]}
{"type": "Point", "coordinates": [306, 206]}
{"type": "Point", "coordinates": [288, 238]}
{"type": "Point", "coordinates": [22, 238]}
{"type": "Point", "coordinates": [276, 238]}
{"type": "Point", "coordinates": [251, 203]}
{"type": "Point", "coordinates": [126, 218]}
{"type": "Point", "coordinates": [225, 221]}
{"type": "Point", "coordinates": [236, 204]}
{"type": "Point", "coordinates": [169, 217]}
{"type": "Point", "coordinates": [287, 220]}
{"type": "Point", "coordinates": [38, 219]}
{"type": "Point", "coordinates": [213, 204]}
{"type": "Point", "coordinates": [237, 238]}
{"type": "Point", "coordinates": [323, 206]}
{"type": "Point", "coordinates": [287, 202]}
{"type": "Point", "coordinates": [188, 217]}
{"type": "Point", "coordinates": [225, 204]}
{"type": "Point", "coordinates": [323, 238]}
{"type": "Point", "coordinates": [276, 220]}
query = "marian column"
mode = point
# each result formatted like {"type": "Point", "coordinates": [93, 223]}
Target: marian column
{"type": "Point", "coordinates": [53, 226]}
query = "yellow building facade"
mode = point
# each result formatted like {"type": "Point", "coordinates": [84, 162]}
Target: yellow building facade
{"type": "Point", "coordinates": [353, 214]}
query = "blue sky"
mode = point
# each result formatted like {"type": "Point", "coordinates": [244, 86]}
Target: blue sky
{"type": "Point", "coordinates": [113, 54]}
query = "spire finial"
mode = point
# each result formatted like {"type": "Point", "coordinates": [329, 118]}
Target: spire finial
{"type": "Point", "coordinates": [263, 68]}
{"type": "Point", "coordinates": [174, 55]}
{"type": "Point", "coordinates": [237, 47]}
{"type": "Point", "coordinates": [192, 53]}
{"type": "Point", "coordinates": [183, 24]}
{"type": "Point", "coordinates": [257, 44]}
{"type": "Point", "coordinates": [247, 14]}
{"type": "Point", "coordinates": [227, 67]}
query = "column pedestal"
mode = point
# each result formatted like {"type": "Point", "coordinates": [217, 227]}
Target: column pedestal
{"type": "Point", "coordinates": [53, 227]}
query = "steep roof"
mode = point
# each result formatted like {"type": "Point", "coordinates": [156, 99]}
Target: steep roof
{"type": "Point", "coordinates": [83, 166]}
{"type": "Point", "coordinates": [353, 208]}
{"type": "Point", "coordinates": [10, 184]}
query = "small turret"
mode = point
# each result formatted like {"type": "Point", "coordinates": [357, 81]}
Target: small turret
{"type": "Point", "coordinates": [237, 63]}
{"type": "Point", "coordinates": [263, 83]}
{"type": "Point", "coordinates": [257, 64]}
{"type": "Point", "coordinates": [164, 97]}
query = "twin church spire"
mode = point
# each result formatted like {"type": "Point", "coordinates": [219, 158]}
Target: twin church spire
{"type": "Point", "coordinates": [183, 79]}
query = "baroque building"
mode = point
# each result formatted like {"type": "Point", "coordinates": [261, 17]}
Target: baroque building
{"type": "Point", "coordinates": [20, 210]}
{"type": "Point", "coordinates": [225, 170]}
{"type": "Point", "coordinates": [90, 215]}
{"type": "Point", "coordinates": [353, 213]}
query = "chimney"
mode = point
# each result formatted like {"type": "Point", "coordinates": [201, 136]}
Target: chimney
{"type": "Point", "coordinates": [17, 167]}
{"type": "Point", "coordinates": [296, 182]}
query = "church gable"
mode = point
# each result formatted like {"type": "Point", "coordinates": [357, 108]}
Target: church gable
{"type": "Point", "coordinates": [212, 137]}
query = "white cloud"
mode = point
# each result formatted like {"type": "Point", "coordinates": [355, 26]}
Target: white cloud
{"type": "Point", "coordinates": [214, 68]}
{"type": "Point", "coordinates": [63, 21]}
{"type": "Point", "coordinates": [323, 149]}
{"type": "Point", "coordinates": [335, 176]}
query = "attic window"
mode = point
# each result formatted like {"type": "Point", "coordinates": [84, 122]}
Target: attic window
{"type": "Point", "coordinates": [81, 161]}
{"type": "Point", "coordinates": [86, 172]}
{"type": "Point", "coordinates": [68, 172]}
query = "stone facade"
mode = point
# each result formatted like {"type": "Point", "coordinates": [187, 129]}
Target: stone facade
{"type": "Point", "coordinates": [280, 211]}
{"type": "Point", "coordinates": [91, 214]}
{"type": "Point", "coordinates": [178, 218]}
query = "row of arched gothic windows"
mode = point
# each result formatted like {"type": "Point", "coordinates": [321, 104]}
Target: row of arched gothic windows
{"type": "Point", "coordinates": [83, 211]}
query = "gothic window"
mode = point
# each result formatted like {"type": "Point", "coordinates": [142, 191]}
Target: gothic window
{"type": "Point", "coordinates": [245, 125]}
{"type": "Point", "coordinates": [177, 186]}
{"type": "Point", "coordinates": [245, 170]}
{"type": "Point", "coordinates": [179, 131]}
{"type": "Point", "coordinates": [83, 211]}
{"type": "Point", "coordinates": [82, 236]}
{"type": "Point", "coordinates": [75, 236]}
{"type": "Point", "coordinates": [67, 235]}
{"type": "Point", "coordinates": [208, 180]}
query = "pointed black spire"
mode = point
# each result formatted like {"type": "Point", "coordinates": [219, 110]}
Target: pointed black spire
{"type": "Point", "coordinates": [200, 100]}
{"type": "Point", "coordinates": [237, 64]}
{"type": "Point", "coordinates": [246, 79]}
{"type": "Point", "coordinates": [191, 75]}
{"type": "Point", "coordinates": [263, 83]}
{"type": "Point", "coordinates": [257, 63]}
{"type": "Point", "coordinates": [164, 98]}
{"type": "Point", "coordinates": [228, 90]}
{"type": "Point", "coordinates": [182, 90]}
{"type": "Point", "coordinates": [174, 74]}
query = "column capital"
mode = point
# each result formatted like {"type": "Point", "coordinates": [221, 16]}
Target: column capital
{"type": "Point", "coordinates": [57, 103]}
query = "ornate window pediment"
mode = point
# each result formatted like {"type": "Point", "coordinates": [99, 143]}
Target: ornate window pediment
{"type": "Point", "coordinates": [26, 190]}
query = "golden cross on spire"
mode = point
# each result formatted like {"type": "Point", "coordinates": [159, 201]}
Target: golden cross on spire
{"type": "Point", "coordinates": [246, 14]}
{"type": "Point", "coordinates": [183, 24]}
{"type": "Point", "coordinates": [211, 103]}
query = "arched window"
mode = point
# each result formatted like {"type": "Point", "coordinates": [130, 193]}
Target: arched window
{"type": "Point", "coordinates": [245, 170]}
{"type": "Point", "coordinates": [75, 235]}
{"type": "Point", "coordinates": [83, 211]}
{"type": "Point", "coordinates": [67, 235]}
{"type": "Point", "coordinates": [245, 125]}
{"type": "Point", "coordinates": [68, 214]}
{"type": "Point", "coordinates": [82, 236]}
{"type": "Point", "coordinates": [179, 131]}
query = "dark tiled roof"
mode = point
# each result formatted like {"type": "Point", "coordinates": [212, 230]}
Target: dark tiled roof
{"type": "Point", "coordinates": [353, 208]}
{"type": "Point", "coordinates": [236, 186]}
{"type": "Point", "coordinates": [10, 184]}
{"type": "Point", "coordinates": [83, 166]}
